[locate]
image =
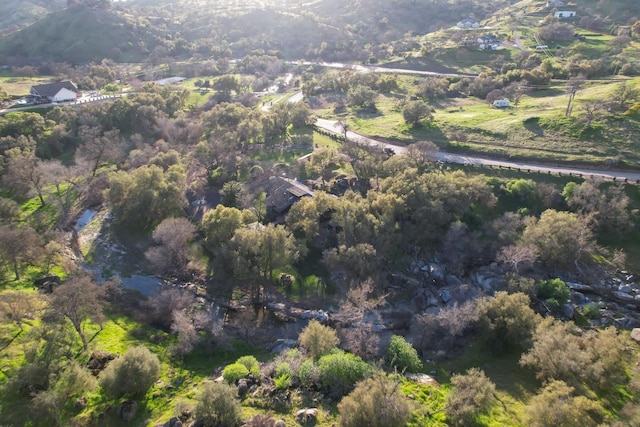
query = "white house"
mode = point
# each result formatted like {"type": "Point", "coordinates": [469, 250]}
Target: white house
{"type": "Point", "coordinates": [562, 14]}
{"type": "Point", "coordinates": [502, 103]}
{"type": "Point", "coordinates": [56, 92]}
{"type": "Point", "coordinates": [553, 4]}
{"type": "Point", "coordinates": [468, 23]}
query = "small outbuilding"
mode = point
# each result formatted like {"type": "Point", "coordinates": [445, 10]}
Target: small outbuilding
{"type": "Point", "coordinates": [502, 103]}
{"type": "Point", "coordinates": [564, 14]}
{"type": "Point", "coordinates": [56, 92]}
{"type": "Point", "coordinates": [554, 4]}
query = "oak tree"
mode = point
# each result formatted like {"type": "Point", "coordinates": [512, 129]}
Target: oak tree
{"type": "Point", "coordinates": [79, 299]}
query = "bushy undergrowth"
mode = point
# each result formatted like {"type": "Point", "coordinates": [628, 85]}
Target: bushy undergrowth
{"type": "Point", "coordinates": [251, 363]}
{"type": "Point", "coordinates": [234, 372]}
{"type": "Point", "coordinates": [217, 406]}
{"type": "Point", "coordinates": [402, 355]}
{"type": "Point", "coordinates": [339, 372]}
{"type": "Point", "coordinates": [131, 374]}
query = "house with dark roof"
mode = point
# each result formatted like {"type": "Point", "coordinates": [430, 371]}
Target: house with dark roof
{"type": "Point", "coordinates": [56, 92]}
{"type": "Point", "coordinates": [282, 193]}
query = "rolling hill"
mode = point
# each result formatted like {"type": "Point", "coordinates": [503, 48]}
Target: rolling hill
{"type": "Point", "coordinates": [130, 31]}
{"type": "Point", "coordinates": [15, 14]}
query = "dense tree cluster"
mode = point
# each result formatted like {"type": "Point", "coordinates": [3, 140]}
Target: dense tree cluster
{"type": "Point", "coordinates": [377, 228]}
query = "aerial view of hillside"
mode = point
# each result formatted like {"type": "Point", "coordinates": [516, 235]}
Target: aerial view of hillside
{"type": "Point", "coordinates": [278, 213]}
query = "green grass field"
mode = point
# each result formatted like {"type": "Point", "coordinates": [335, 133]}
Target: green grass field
{"type": "Point", "coordinates": [20, 86]}
{"type": "Point", "coordinates": [536, 129]}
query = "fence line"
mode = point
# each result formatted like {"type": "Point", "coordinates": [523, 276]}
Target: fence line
{"type": "Point", "coordinates": [558, 173]}
{"type": "Point", "coordinates": [339, 137]}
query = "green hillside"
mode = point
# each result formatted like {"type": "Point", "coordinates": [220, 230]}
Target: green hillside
{"type": "Point", "coordinates": [15, 14]}
{"type": "Point", "coordinates": [81, 35]}
{"type": "Point", "coordinates": [325, 29]}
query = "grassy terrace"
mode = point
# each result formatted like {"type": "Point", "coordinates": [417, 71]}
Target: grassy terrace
{"type": "Point", "coordinates": [536, 129]}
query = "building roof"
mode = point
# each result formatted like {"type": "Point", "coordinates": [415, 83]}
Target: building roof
{"type": "Point", "coordinates": [169, 81]}
{"type": "Point", "coordinates": [283, 192]}
{"type": "Point", "coordinates": [51, 89]}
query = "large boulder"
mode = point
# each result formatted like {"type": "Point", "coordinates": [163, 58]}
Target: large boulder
{"type": "Point", "coordinates": [579, 287]}
{"type": "Point", "coordinates": [621, 296]}
{"type": "Point", "coordinates": [445, 295]}
{"type": "Point", "coordinates": [635, 335]}
{"type": "Point", "coordinates": [47, 283]}
{"type": "Point", "coordinates": [306, 415]}
{"type": "Point", "coordinates": [567, 310]}
{"type": "Point", "coordinates": [243, 387]}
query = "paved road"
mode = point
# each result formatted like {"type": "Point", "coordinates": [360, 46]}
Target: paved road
{"type": "Point", "coordinates": [369, 69]}
{"type": "Point", "coordinates": [83, 100]}
{"type": "Point", "coordinates": [296, 97]}
{"type": "Point", "coordinates": [331, 126]}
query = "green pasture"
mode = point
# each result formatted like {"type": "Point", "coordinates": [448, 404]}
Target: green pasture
{"type": "Point", "coordinates": [536, 129]}
{"type": "Point", "coordinates": [20, 86]}
{"type": "Point", "coordinates": [119, 332]}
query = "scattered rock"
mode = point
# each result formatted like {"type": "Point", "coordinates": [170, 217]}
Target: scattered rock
{"type": "Point", "coordinates": [173, 422]}
{"type": "Point", "coordinates": [452, 281]}
{"type": "Point", "coordinates": [434, 271]}
{"type": "Point", "coordinates": [579, 287]}
{"type": "Point", "coordinates": [47, 283]}
{"type": "Point", "coordinates": [422, 379]}
{"type": "Point", "coordinates": [243, 387]}
{"type": "Point", "coordinates": [127, 410]}
{"type": "Point", "coordinates": [567, 310]}
{"type": "Point", "coordinates": [283, 344]}
{"type": "Point", "coordinates": [432, 310]}
{"type": "Point", "coordinates": [626, 289]}
{"type": "Point", "coordinates": [488, 280]}
{"type": "Point", "coordinates": [186, 414]}
{"type": "Point", "coordinates": [99, 360]}
{"type": "Point", "coordinates": [578, 298]}
{"type": "Point", "coordinates": [319, 315]}
{"type": "Point", "coordinates": [80, 403]}
{"type": "Point", "coordinates": [635, 335]}
{"type": "Point", "coordinates": [445, 295]}
{"type": "Point", "coordinates": [307, 414]}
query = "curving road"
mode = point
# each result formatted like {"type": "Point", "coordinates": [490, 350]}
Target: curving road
{"type": "Point", "coordinates": [371, 69]}
{"type": "Point", "coordinates": [332, 126]}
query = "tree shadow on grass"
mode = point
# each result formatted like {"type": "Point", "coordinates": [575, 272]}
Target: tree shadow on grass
{"type": "Point", "coordinates": [532, 124]}
{"type": "Point", "coordinates": [368, 113]}
{"type": "Point", "coordinates": [431, 132]}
